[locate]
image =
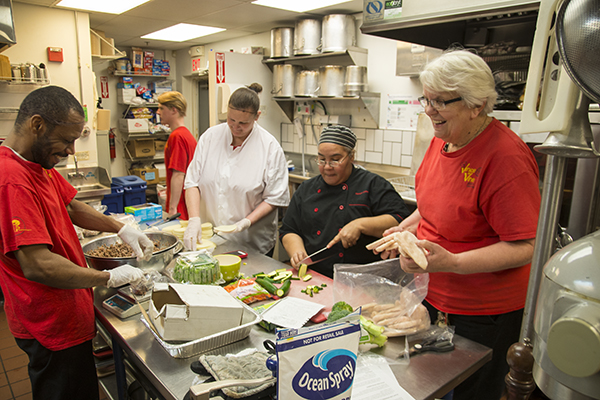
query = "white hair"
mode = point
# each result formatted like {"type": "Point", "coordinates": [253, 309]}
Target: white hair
{"type": "Point", "coordinates": [464, 73]}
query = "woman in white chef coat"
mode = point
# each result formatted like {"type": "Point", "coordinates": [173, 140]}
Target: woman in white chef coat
{"type": "Point", "coordinates": [238, 176]}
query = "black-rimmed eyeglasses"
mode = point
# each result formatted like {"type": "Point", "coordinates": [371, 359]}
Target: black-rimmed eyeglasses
{"type": "Point", "coordinates": [437, 104]}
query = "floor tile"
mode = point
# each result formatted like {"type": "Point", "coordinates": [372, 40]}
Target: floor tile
{"type": "Point", "coordinates": [3, 379]}
{"type": "Point", "coordinates": [11, 352]}
{"type": "Point", "coordinates": [7, 342]}
{"type": "Point", "coordinates": [16, 362]}
{"type": "Point", "coordinates": [27, 396]}
{"type": "Point", "coordinates": [4, 333]}
{"type": "Point", "coordinates": [17, 375]}
{"type": "Point", "coordinates": [5, 393]}
{"type": "Point", "coordinates": [20, 388]}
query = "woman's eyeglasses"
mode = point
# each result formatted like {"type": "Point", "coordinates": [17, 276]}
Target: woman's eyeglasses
{"type": "Point", "coordinates": [437, 104]}
{"type": "Point", "coordinates": [335, 163]}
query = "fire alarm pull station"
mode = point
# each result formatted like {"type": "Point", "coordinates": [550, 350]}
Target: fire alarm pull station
{"type": "Point", "coordinates": [55, 54]}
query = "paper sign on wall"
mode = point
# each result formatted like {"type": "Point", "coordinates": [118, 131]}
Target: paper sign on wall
{"type": "Point", "coordinates": [220, 58]}
{"type": "Point", "coordinates": [403, 112]}
{"type": "Point", "coordinates": [104, 87]}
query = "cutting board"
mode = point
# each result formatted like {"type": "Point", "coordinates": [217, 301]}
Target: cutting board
{"type": "Point", "coordinates": [324, 297]}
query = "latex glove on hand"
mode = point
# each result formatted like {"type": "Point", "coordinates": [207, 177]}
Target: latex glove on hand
{"type": "Point", "coordinates": [139, 242]}
{"type": "Point", "coordinates": [123, 275]}
{"type": "Point", "coordinates": [193, 234]}
{"type": "Point", "coordinates": [242, 225]}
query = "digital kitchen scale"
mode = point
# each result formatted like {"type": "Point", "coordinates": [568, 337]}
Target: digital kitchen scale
{"type": "Point", "coordinates": [121, 306]}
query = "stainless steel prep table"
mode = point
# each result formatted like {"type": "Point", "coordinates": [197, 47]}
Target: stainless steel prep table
{"type": "Point", "coordinates": [427, 376]}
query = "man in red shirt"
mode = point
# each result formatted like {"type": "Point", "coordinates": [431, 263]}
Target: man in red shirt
{"type": "Point", "coordinates": [43, 273]}
{"type": "Point", "coordinates": [179, 150]}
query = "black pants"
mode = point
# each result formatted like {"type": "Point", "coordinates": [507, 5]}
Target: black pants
{"type": "Point", "coordinates": [498, 332]}
{"type": "Point", "coordinates": [61, 375]}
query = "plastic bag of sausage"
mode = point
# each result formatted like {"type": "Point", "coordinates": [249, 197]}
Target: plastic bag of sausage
{"type": "Point", "coordinates": [387, 295]}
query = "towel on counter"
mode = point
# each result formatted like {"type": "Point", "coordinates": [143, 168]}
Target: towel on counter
{"type": "Point", "coordinates": [247, 366]}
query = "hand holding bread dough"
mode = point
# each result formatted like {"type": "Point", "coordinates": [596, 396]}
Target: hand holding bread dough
{"type": "Point", "coordinates": [407, 243]}
{"type": "Point", "coordinates": [404, 242]}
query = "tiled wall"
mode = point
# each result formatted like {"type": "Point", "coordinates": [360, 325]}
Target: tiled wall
{"type": "Point", "coordinates": [378, 146]}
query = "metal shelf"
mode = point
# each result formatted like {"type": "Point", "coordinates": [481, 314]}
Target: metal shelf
{"type": "Point", "coordinates": [116, 73]}
{"type": "Point", "coordinates": [352, 56]}
{"type": "Point", "coordinates": [367, 105]}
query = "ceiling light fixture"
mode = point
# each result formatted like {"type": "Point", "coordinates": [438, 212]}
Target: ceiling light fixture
{"type": "Point", "coordinates": [298, 6]}
{"type": "Point", "coordinates": [182, 32]}
{"type": "Point", "coordinates": [104, 6]}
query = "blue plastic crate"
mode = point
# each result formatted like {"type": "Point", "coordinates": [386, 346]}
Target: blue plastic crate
{"type": "Point", "coordinates": [134, 189]}
{"type": "Point", "coordinates": [114, 200]}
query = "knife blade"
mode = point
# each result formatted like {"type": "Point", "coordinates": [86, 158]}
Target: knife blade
{"type": "Point", "coordinates": [164, 221]}
{"type": "Point", "coordinates": [319, 256]}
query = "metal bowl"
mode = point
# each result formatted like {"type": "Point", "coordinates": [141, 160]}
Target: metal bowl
{"type": "Point", "coordinates": [157, 262]}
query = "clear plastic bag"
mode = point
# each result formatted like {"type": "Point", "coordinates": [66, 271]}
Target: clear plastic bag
{"type": "Point", "coordinates": [388, 296]}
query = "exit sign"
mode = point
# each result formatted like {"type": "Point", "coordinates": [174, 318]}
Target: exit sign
{"type": "Point", "coordinates": [197, 64]}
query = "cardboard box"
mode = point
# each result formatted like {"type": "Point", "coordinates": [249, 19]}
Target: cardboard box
{"type": "Point", "coordinates": [159, 145]}
{"type": "Point", "coordinates": [137, 58]}
{"type": "Point", "coordinates": [141, 147]}
{"type": "Point", "coordinates": [145, 212]}
{"type": "Point", "coordinates": [135, 125]}
{"type": "Point", "coordinates": [108, 49]}
{"type": "Point", "coordinates": [96, 42]}
{"type": "Point", "coordinates": [125, 96]}
{"type": "Point", "coordinates": [150, 175]}
{"type": "Point", "coordinates": [189, 312]}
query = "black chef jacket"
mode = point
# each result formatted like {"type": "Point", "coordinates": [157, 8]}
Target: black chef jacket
{"type": "Point", "coordinates": [318, 211]}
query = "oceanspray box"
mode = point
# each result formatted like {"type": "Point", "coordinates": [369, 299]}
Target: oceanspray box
{"type": "Point", "coordinates": [318, 362]}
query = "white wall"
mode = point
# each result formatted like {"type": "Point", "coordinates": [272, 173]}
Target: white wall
{"type": "Point", "coordinates": [38, 28]}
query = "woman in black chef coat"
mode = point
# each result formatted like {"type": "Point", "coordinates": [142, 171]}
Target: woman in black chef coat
{"type": "Point", "coordinates": [345, 207]}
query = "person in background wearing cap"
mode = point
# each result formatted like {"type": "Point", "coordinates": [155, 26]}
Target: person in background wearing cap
{"type": "Point", "coordinates": [46, 283]}
{"type": "Point", "coordinates": [238, 177]}
{"type": "Point", "coordinates": [179, 149]}
{"type": "Point", "coordinates": [345, 206]}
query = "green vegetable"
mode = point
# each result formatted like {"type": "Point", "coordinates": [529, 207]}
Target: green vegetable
{"type": "Point", "coordinates": [342, 305]}
{"type": "Point", "coordinates": [339, 310]}
{"type": "Point", "coordinates": [375, 332]}
{"type": "Point", "coordinates": [284, 289]}
{"type": "Point", "coordinates": [269, 287]}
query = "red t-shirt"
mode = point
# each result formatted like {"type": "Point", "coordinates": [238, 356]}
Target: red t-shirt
{"type": "Point", "coordinates": [179, 152]}
{"type": "Point", "coordinates": [33, 211]}
{"type": "Point", "coordinates": [479, 195]}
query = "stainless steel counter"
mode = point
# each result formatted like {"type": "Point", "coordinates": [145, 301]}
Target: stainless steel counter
{"type": "Point", "coordinates": [427, 376]}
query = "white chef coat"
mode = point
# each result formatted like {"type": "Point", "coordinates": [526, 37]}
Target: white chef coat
{"type": "Point", "coordinates": [233, 182]}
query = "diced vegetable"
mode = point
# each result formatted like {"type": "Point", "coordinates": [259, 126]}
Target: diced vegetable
{"type": "Point", "coordinates": [302, 270]}
{"type": "Point", "coordinates": [307, 278]}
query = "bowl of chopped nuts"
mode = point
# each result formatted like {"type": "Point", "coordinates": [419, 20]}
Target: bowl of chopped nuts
{"type": "Point", "coordinates": [109, 252]}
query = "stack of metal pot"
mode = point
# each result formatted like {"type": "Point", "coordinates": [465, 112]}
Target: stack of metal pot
{"type": "Point", "coordinates": [334, 33]}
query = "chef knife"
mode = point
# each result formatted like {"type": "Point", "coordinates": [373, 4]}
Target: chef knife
{"type": "Point", "coordinates": [320, 255]}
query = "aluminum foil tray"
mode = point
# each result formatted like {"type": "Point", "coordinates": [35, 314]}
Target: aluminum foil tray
{"type": "Point", "coordinates": [207, 343]}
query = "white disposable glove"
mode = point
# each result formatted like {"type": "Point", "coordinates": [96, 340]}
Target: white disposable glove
{"type": "Point", "coordinates": [123, 275]}
{"type": "Point", "coordinates": [193, 234]}
{"type": "Point", "coordinates": [139, 242]}
{"type": "Point", "coordinates": [242, 225]}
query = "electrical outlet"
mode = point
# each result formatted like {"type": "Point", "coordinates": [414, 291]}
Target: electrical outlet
{"type": "Point", "coordinates": [82, 155]}
{"type": "Point", "coordinates": [304, 107]}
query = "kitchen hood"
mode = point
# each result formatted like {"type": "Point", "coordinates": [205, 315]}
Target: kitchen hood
{"type": "Point", "coordinates": [7, 28]}
{"type": "Point", "coordinates": [440, 24]}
